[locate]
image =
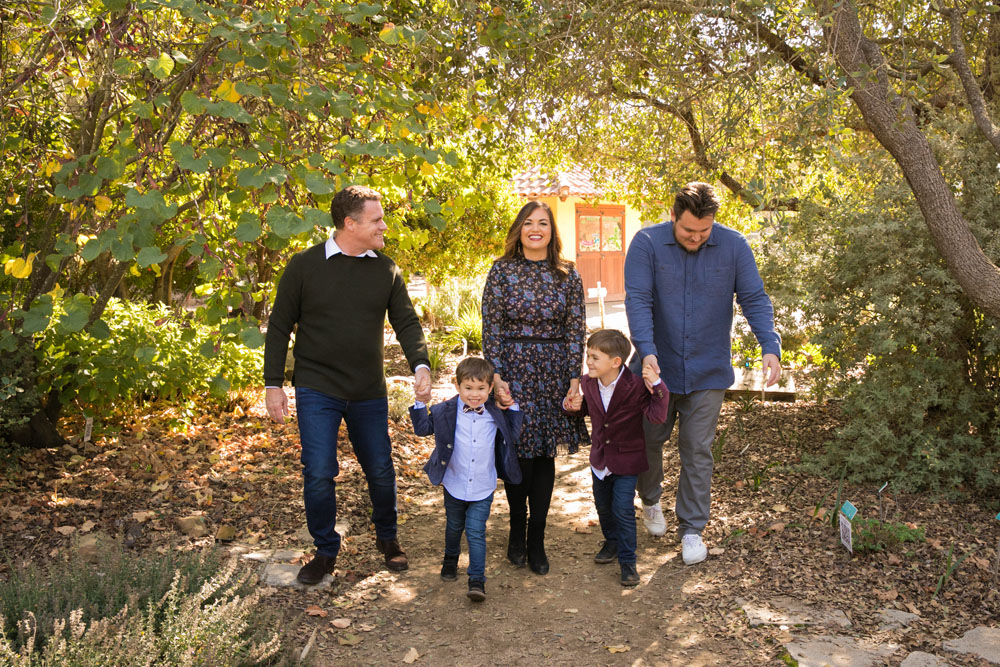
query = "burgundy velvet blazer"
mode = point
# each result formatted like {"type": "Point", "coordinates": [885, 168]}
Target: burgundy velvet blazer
{"type": "Point", "coordinates": [617, 432]}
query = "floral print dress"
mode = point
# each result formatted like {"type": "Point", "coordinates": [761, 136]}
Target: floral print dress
{"type": "Point", "coordinates": [533, 331]}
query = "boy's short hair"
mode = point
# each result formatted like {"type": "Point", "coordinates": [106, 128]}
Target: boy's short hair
{"type": "Point", "coordinates": [474, 368]}
{"type": "Point", "coordinates": [611, 342]}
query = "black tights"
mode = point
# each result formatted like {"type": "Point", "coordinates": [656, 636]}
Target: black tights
{"type": "Point", "coordinates": [538, 476]}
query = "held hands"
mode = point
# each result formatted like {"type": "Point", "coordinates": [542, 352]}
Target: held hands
{"type": "Point", "coordinates": [650, 377]}
{"type": "Point", "coordinates": [422, 385]}
{"type": "Point", "coordinates": [277, 403]}
{"type": "Point", "coordinates": [501, 393]}
{"type": "Point", "coordinates": [773, 368]}
{"type": "Point", "coordinates": [650, 370]}
{"type": "Point", "coordinates": [574, 398]}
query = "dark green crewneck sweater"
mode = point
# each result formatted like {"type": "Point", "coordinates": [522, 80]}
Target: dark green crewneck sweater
{"type": "Point", "coordinates": [339, 305]}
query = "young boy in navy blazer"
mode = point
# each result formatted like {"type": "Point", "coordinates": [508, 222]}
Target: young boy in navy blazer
{"type": "Point", "coordinates": [473, 444]}
{"type": "Point", "coordinates": [616, 401]}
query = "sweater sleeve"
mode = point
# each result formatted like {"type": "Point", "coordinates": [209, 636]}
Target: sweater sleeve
{"type": "Point", "coordinates": [494, 321]}
{"type": "Point", "coordinates": [284, 316]}
{"type": "Point", "coordinates": [405, 322]}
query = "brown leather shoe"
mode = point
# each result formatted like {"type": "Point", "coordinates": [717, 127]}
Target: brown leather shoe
{"type": "Point", "coordinates": [395, 558]}
{"type": "Point", "coordinates": [314, 571]}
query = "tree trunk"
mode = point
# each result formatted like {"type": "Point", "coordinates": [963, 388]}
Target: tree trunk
{"type": "Point", "coordinates": [40, 429]}
{"type": "Point", "coordinates": [163, 288]}
{"type": "Point", "coordinates": [892, 122]}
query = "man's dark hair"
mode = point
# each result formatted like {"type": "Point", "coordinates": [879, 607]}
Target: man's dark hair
{"type": "Point", "coordinates": [611, 342]}
{"type": "Point", "coordinates": [474, 368]}
{"type": "Point", "coordinates": [698, 198]}
{"type": "Point", "coordinates": [349, 202]}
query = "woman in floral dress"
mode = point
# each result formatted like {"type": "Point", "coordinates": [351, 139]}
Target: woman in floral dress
{"type": "Point", "coordinates": [533, 332]}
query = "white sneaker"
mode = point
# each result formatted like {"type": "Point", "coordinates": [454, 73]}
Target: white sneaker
{"type": "Point", "coordinates": [652, 517]}
{"type": "Point", "coordinates": [693, 549]}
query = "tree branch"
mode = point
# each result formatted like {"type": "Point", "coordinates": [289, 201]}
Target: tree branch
{"type": "Point", "coordinates": [685, 114]}
{"type": "Point", "coordinates": [960, 61]}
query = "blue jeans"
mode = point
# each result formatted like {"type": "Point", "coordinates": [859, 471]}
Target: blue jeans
{"type": "Point", "coordinates": [319, 417]}
{"type": "Point", "coordinates": [613, 497]}
{"type": "Point", "coordinates": [471, 517]}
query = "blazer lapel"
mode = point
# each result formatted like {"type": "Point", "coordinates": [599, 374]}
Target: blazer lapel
{"type": "Point", "coordinates": [622, 389]}
{"type": "Point", "coordinates": [591, 389]}
{"type": "Point", "coordinates": [450, 414]}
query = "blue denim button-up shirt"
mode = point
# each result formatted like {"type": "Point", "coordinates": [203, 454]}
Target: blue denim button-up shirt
{"type": "Point", "coordinates": [680, 305]}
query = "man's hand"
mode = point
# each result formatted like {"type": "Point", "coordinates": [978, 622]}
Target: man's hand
{"type": "Point", "coordinates": [277, 403]}
{"type": "Point", "coordinates": [650, 377]}
{"type": "Point", "coordinates": [649, 361]}
{"type": "Point", "coordinates": [501, 393]}
{"type": "Point", "coordinates": [773, 368]}
{"type": "Point", "coordinates": [422, 385]}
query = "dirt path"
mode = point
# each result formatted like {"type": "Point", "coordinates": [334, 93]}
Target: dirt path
{"type": "Point", "coordinates": [577, 614]}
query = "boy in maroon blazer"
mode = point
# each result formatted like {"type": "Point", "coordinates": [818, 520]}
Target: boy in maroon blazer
{"type": "Point", "coordinates": [616, 401]}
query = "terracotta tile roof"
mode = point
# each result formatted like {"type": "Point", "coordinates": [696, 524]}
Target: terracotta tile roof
{"type": "Point", "coordinates": [533, 182]}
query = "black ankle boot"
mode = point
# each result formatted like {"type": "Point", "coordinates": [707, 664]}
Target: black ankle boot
{"type": "Point", "coordinates": [449, 568]}
{"type": "Point", "coordinates": [537, 560]}
{"type": "Point", "coordinates": [516, 547]}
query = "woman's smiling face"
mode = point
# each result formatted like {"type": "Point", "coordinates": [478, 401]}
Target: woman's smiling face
{"type": "Point", "coordinates": [536, 234]}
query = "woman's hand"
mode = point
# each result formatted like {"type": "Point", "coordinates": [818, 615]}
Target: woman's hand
{"type": "Point", "coordinates": [501, 392]}
{"type": "Point", "coordinates": [574, 391]}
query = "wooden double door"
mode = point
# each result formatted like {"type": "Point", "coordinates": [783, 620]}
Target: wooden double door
{"type": "Point", "coordinates": [600, 249]}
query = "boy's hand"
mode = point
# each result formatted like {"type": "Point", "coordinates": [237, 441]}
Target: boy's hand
{"type": "Point", "coordinates": [649, 361]}
{"type": "Point", "coordinates": [650, 376]}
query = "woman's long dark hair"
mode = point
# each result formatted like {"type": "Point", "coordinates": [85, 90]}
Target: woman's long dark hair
{"type": "Point", "coordinates": [512, 246]}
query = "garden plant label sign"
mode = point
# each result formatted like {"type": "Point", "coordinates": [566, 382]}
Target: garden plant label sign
{"type": "Point", "coordinates": [847, 512]}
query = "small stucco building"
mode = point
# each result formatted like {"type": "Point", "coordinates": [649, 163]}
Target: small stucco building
{"type": "Point", "coordinates": [595, 233]}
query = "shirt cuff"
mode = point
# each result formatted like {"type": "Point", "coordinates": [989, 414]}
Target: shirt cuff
{"type": "Point", "coordinates": [419, 366]}
{"type": "Point", "coordinates": [658, 381]}
{"type": "Point", "coordinates": [514, 407]}
{"type": "Point", "coordinates": [271, 386]}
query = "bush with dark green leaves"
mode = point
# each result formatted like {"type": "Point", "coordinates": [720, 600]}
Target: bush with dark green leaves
{"type": "Point", "coordinates": [146, 353]}
{"type": "Point", "coordinates": [916, 363]}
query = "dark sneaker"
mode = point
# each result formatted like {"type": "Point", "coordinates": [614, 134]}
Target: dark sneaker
{"type": "Point", "coordinates": [449, 568]}
{"type": "Point", "coordinates": [395, 558]}
{"type": "Point", "coordinates": [629, 575]}
{"type": "Point", "coordinates": [608, 553]}
{"type": "Point", "coordinates": [477, 591]}
{"type": "Point", "coordinates": [314, 571]}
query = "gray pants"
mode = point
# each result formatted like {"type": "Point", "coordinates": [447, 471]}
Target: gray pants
{"type": "Point", "coordinates": [697, 414]}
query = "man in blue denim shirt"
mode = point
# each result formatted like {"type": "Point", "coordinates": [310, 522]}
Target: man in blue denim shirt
{"type": "Point", "coordinates": [680, 278]}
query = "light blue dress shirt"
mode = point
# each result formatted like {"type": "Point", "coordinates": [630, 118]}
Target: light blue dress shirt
{"type": "Point", "coordinates": [680, 305]}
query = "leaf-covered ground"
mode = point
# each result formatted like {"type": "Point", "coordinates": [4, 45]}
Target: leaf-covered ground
{"type": "Point", "coordinates": [770, 537]}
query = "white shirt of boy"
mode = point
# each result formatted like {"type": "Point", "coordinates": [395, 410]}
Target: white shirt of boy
{"type": "Point", "coordinates": [606, 393]}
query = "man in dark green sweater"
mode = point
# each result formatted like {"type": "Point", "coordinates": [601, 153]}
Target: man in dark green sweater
{"type": "Point", "coordinates": [336, 295]}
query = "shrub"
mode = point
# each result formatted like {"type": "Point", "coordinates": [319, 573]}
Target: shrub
{"type": "Point", "coordinates": [133, 609]}
{"type": "Point", "coordinates": [917, 364]}
{"type": "Point", "coordinates": [868, 535]}
{"type": "Point", "coordinates": [147, 354]}
{"type": "Point", "coordinates": [469, 327]}
{"type": "Point", "coordinates": [444, 305]}
{"type": "Point", "coordinates": [400, 398]}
